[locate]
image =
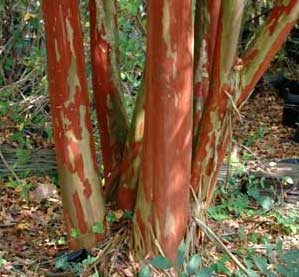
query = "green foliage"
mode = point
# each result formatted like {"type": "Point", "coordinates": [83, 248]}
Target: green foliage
{"type": "Point", "coordinates": [131, 22]}
{"type": "Point", "coordinates": [75, 233]}
{"type": "Point", "coordinates": [274, 262]}
{"type": "Point", "coordinates": [288, 221]}
{"type": "Point", "coordinates": [145, 271]}
{"type": "Point", "coordinates": [128, 215]}
{"type": "Point", "coordinates": [63, 265]}
{"type": "Point", "coordinates": [194, 264]}
{"type": "Point", "coordinates": [259, 135]}
{"type": "Point", "coordinates": [98, 227]}
{"type": "Point", "coordinates": [111, 217]}
{"type": "Point", "coordinates": [161, 263]}
{"type": "Point", "coordinates": [2, 262]}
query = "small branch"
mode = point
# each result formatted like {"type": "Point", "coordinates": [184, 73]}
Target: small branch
{"type": "Point", "coordinates": [214, 237]}
{"type": "Point", "coordinates": [9, 168]}
{"type": "Point", "coordinates": [140, 24]}
{"type": "Point", "coordinates": [233, 104]}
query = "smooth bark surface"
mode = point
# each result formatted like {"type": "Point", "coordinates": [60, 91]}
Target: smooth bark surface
{"type": "Point", "coordinates": [130, 170]}
{"type": "Point", "coordinates": [75, 152]}
{"type": "Point", "coordinates": [233, 81]}
{"type": "Point", "coordinates": [162, 207]}
{"type": "Point", "coordinates": [207, 15]}
{"type": "Point", "coordinates": [209, 151]}
{"type": "Point", "coordinates": [107, 88]}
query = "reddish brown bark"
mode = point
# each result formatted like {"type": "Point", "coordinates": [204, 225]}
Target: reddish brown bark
{"type": "Point", "coordinates": [81, 193]}
{"type": "Point", "coordinates": [209, 152]}
{"type": "Point", "coordinates": [130, 171]}
{"type": "Point", "coordinates": [107, 88]}
{"type": "Point", "coordinates": [262, 50]}
{"type": "Point", "coordinates": [232, 84]}
{"type": "Point", "coordinates": [206, 25]}
{"type": "Point", "coordinates": [162, 207]}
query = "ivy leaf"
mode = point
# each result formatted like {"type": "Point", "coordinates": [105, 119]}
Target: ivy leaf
{"type": "Point", "coordinates": [160, 262]}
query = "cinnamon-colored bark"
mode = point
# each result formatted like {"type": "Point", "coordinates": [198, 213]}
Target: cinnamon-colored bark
{"type": "Point", "coordinates": [162, 208]}
{"type": "Point", "coordinates": [81, 193]}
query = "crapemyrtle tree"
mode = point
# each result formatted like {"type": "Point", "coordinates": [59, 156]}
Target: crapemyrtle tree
{"type": "Point", "coordinates": [195, 81]}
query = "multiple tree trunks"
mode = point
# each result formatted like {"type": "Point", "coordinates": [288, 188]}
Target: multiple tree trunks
{"type": "Point", "coordinates": [207, 15]}
{"type": "Point", "coordinates": [107, 87]}
{"type": "Point", "coordinates": [233, 80]}
{"type": "Point", "coordinates": [130, 170]}
{"type": "Point", "coordinates": [175, 151]}
{"type": "Point", "coordinates": [214, 131]}
{"type": "Point", "coordinates": [162, 207]}
{"type": "Point", "coordinates": [75, 151]}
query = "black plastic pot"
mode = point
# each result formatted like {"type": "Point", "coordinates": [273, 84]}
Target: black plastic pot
{"type": "Point", "coordinates": [290, 92]}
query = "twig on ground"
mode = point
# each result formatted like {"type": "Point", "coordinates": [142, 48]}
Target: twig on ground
{"type": "Point", "coordinates": [9, 168]}
{"type": "Point", "coordinates": [212, 236]}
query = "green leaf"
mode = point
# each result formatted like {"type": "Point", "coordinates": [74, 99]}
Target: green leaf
{"type": "Point", "coordinates": [160, 262]}
{"type": "Point", "coordinates": [128, 214]}
{"type": "Point", "coordinates": [98, 228]}
{"type": "Point", "coordinates": [110, 217]}
{"type": "Point", "coordinates": [181, 253]}
{"type": "Point", "coordinates": [266, 202]}
{"type": "Point", "coordinates": [61, 263]}
{"type": "Point", "coordinates": [61, 241]}
{"type": "Point", "coordinates": [207, 272]}
{"type": "Point", "coordinates": [261, 263]}
{"type": "Point", "coordinates": [279, 249]}
{"type": "Point", "coordinates": [12, 184]}
{"type": "Point", "coordinates": [289, 180]}
{"type": "Point", "coordinates": [292, 256]}
{"type": "Point", "coordinates": [194, 264]}
{"type": "Point", "coordinates": [23, 155]}
{"type": "Point", "coordinates": [2, 262]}
{"type": "Point", "coordinates": [4, 107]}
{"type": "Point", "coordinates": [75, 233]}
{"type": "Point", "coordinates": [25, 191]}
{"type": "Point", "coordinates": [144, 272]}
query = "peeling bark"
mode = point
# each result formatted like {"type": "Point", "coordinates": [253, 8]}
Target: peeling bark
{"type": "Point", "coordinates": [130, 170]}
{"type": "Point", "coordinates": [162, 207]}
{"type": "Point", "coordinates": [233, 80]}
{"type": "Point", "coordinates": [82, 198]}
{"type": "Point", "coordinates": [268, 41]}
{"type": "Point", "coordinates": [209, 152]}
{"type": "Point", "coordinates": [206, 25]}
{"type": "Point", "coordinates": [107, 88]}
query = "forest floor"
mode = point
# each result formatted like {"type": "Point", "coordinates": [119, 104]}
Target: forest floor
{"type": "Point", "coordinates": [32, 233]}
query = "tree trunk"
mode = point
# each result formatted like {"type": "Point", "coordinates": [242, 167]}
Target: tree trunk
{"type": "Point", "coordinates": [214, 124]}
{"type": "Point", "coordinates": [82, 198]}
{"type": "Point", "coordinates": [162, 207]}
{"type": "Point", "coordinates": [130, 171]}
{"type": "Point", "coordinates": [205, 30]}
{"type": "Point", "coordinates": [107, 88]}
{"type": "Point", "coordinates": [233, 81]}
